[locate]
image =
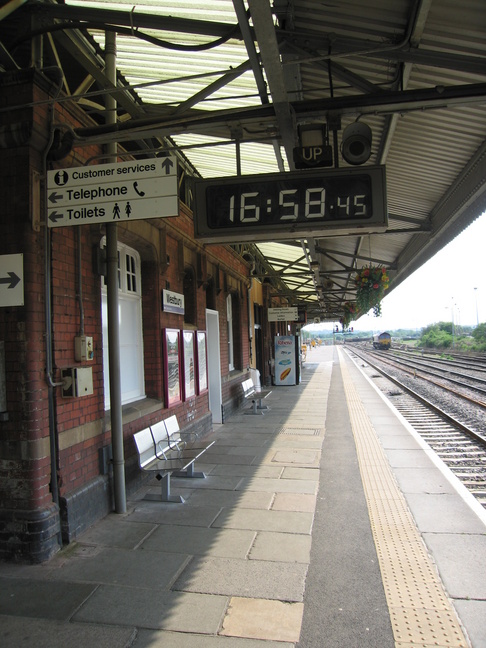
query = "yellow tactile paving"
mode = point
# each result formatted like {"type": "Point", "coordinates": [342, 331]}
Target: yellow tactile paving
{"type": "Point", "coordinates": [420, 612]}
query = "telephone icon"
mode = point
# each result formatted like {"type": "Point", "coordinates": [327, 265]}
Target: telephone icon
{"type": "Point", "coordinates": [139, 192]}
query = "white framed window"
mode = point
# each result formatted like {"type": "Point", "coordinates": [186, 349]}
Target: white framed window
{"type": "Point", "coordinates": [131, 330]}
{"type": "Point", "coordinates": [229, 323]}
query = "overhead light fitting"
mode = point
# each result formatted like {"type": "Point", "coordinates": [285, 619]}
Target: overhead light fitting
{"type": "Point", "coordinates": [356, 143]}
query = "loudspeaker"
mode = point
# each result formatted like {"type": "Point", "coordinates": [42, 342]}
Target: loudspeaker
{"type": "Point", "coordinates": [356, 143]}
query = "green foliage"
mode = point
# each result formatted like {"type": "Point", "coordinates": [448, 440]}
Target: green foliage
{"type": "Point", "coordinates": [439, 336]}
{"type": "Point", "coordinates": [479, 336]}
{"type": "Point", "coordinates": [438, 326]}
{"type": "Point", "coordinates": [371, 283]}
{"type": "Point", "coordinates": [479, 333]}
{"type": "Point", "coordinates": [435, 336]}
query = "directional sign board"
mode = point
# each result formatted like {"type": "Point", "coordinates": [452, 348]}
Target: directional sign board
{"type": "Point", "coordinates": [284, 314]}
{"type": "Point", "coordinates": [107, 193]}
{"type": "Point", "coordinates": [12, 280]}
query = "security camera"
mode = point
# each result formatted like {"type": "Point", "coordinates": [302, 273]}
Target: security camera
{"type": "Point", "coordinates": [356, 143]}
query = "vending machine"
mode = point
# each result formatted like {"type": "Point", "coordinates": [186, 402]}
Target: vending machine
{"type": "Point", "coordinates": [287, 360]}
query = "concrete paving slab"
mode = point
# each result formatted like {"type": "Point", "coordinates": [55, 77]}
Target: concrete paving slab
{"type": "Point", "coordinates": [279, 521]}
{"type": "Point", "coordinates": [113, 532]}
{"type": "Point", "coordinates": [119, 566]}
{"type": "Point", "coordinates": [300, 473]}
{"type": "Point", "coordinates": [308, 431]}
{"type": "Point", "coordinates": [385, 421]}
{"type": "Point", "coordinates": [313, 425]}
{"type": "Point", "coordinates": [247, 578]}
{"type": "Point", "coordinates": [461, 557]}
{"type": "Point", "coordinates": [443, 514]}
{"type": "Point", "coordinates": [42, 633]}
{"type": "Point", "coordinates": [211, 482]}
{"type": "Point", "coordinates": [294, 502]}
{"type": "Point", "coordinates": [304, 442]}
{"type": "Point", "coordinates": [245, 471]}
{"type": "Point", "coordinates": [218, 498]}
{"type": "Point", "coordinates": [228, 543]}
{"type": "Point", "coordinates": [263, 619]}
{"type": "Point", "coordinates": [42, 571]}
{"type": "Point", "coordinates": [250, 451]}
{"type": "Point", "coordinates": [163, 639]}
{"type": "Point", "coordinates": [254, 440]}
{"type": "Point", "coordinates": [52, 600]}
{"type": "Point", "coordinates": [220, 458]}
{"type": "Point", "coordinates": [407, 458]}
{"type": "Point", "coordinates": [473, 616]}
{"type": "Point", "coordinates": [282, 547]}
{"type": "Point", "coordinates": [145, 608]}
{"type": "Point", "coordinates": [294, 456]}
{"type": "Point", "coordinates": [253, 424]}
{"type": "Point", "coordinates": [422, 480]}
{"type": "Point", "coordinates": [162, 513]}
{"type": "Point", "coordinates": [399, 442]}
{"type": "Point", "coordinates": [279, 485]}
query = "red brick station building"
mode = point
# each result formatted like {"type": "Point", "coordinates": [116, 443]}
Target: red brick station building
{"type": "Point", "coordinates": [56, 475]}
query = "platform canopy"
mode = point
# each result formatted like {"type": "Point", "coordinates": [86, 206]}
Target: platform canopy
{"type": "Point", "coordinates": [237, 87]}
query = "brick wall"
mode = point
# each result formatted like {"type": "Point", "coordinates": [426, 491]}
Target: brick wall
{"type": "Point", "coordinates": [29, 520]}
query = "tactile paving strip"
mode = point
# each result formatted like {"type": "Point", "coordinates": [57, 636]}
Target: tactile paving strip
{"type": "Point", "coordinates": [420, 611]}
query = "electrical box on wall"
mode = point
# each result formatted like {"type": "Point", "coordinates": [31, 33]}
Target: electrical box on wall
{"type": "Point", "coordinates": [77, 381]}
{"type": "Point", "coordinates": [83, 348]}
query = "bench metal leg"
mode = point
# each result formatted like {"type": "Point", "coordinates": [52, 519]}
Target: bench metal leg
{"type": "Point", "coordinates": [190, 472]}
{"type": "Point", "coordinates": [260, 406]}
{"type": "Point", "coordinates": [165, 495]}
{"type": "Point", "coordinates": [254, 408]}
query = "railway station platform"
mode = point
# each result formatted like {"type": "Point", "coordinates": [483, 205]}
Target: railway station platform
{"type": "Point", "coordinates": [324, 522]}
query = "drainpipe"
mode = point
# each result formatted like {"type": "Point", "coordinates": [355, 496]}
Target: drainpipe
{"type": "Point", "coordinates": [112, 302]}
{"type": "Point", "coordinates": [53, 447]}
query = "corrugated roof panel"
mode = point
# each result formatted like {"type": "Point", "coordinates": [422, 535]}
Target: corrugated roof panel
{"type": "Point", "coordinates": [378, 19]}
{"type": "Point", "coordinates": [140, 61]}
{"type": "Point", "coordinates": [425, 151]}
{"type": "Point", "coordinates": [217, 157]}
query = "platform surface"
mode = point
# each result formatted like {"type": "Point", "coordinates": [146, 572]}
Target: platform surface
{"type": "Point", "coordinates": [324, 522]}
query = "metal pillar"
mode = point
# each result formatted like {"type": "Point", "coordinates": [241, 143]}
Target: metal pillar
{"type": "Point", "coordinates": [112, 302]}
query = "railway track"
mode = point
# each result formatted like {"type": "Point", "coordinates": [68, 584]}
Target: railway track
{"type": "Point", "coordinates": [446, 377]}
{"type": "Point", "coordinates": [445, 370]}
{"type": "Point", "coordinates": [476, 363]}
{"type": "Point", "coordinates": [461, 448]}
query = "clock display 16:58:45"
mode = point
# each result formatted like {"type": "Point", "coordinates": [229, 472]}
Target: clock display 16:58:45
{"type": "Point", "coordinates": [290, 201]}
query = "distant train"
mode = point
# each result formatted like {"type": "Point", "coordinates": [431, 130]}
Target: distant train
{"type": "Point", "coordinates": [382, 340]}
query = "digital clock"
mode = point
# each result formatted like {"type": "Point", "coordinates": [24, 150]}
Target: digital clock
{"type": "Point", "coordinates": [289, 205]}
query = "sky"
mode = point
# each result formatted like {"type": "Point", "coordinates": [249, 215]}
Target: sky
{"type": "Point", "coordinates": [451, 285]}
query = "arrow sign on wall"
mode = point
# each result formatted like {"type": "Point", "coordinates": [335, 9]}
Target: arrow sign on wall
{"type": "Point", "coordinates": [11, 280]}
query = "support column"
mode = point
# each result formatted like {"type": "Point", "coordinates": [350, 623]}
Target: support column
{"type": "Point", "coordinates": [112, 302]}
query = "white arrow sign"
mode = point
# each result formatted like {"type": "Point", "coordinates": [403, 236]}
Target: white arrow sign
{"type": "Point", "coordinates": [12, 280]}
{"type": "Point", "coordinates": [106, 193]}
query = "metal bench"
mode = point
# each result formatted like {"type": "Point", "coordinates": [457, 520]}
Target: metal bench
{"type": "Point", "coordinates": [250, 392]}
{"type": "Point", "coordinates": [162, 450]}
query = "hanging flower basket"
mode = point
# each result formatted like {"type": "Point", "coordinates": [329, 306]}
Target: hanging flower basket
{"type": "Point", "coordinates": [350, 313]}
{"type": "Point", "coordinates": [371, 283]}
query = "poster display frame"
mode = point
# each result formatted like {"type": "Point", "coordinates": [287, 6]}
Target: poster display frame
{"type": "Point", "coordinates": [172, 366]}
{"type": "Point", "coordinates": [202, 362]}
